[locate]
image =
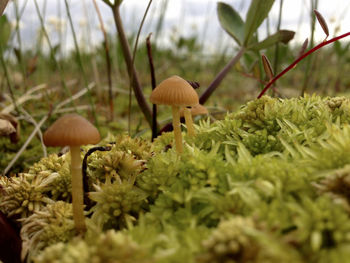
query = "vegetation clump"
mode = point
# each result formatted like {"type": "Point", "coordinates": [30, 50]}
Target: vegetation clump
{"type": "Point", "coordinates": [249, 202]}
{"type": "Point", "coordinates": [110, 246]}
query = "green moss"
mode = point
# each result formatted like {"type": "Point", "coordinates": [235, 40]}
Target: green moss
{"type": "Point", "coordinates": [107, 247]}
{"type": "Point", "coordinates": [269, 183]}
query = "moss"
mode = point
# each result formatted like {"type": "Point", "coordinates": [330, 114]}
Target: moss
{"type": "Point", "coordinates": [32, 153]}
{"type": "Point", "coordinates": [107, 247]}
{"type": "Point", "coordinates": [269, 183]}
{"type": "Point", "coordinates": [117, 204]}
{"type": "Point", "coordinates": [50, 225]}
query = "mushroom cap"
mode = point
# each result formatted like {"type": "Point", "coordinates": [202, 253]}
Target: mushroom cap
{"type": "Point", "coordinates": [72, 130]}
{"type": "Point", "coordinates": [196, 110]}
{"type": "Point", "coordinates": [174, 91]}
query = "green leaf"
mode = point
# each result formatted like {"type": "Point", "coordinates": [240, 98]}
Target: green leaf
{"type": "Point", "coordinates": [5, 31]}
{"type": "Point", "coordinates": [283, 36]}
{"type": "Point", "coordinates": [231, 22]}
{"type": "Point", "coordinates": [258, 11]}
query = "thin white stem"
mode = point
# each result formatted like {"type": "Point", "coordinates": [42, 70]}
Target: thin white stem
{"type": "Point", "coordinates": [77, 190]}
{"type": "Point", "coordinates": [177, 129]}
{"type": "Point", "coordinates": [189, 122]}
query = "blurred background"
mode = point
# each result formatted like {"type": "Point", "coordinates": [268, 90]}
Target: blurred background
{"type": "Point", "coordinates": [167, 19]}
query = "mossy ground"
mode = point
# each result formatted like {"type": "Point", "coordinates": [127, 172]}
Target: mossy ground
{"type": "Point", "coordinates": [268, 183]}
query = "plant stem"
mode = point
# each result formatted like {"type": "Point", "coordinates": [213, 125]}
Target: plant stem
{"type": "Point", "coordinates": [177, 129]}
{"type": "Point", "coordinates": [153, 81]}
{"type": "Point", "coordinates": [220, 76]}
{"type": "Point", "coordinates": [299, 59]}
{"type": "Point", "coordinates": [3, 5]}
{"type": "Point", "coordinates": [131, 69]}
{"type": "Point", "coordinates": [189, 122]}
{"type": "Point", "coordinates": [77, 190]}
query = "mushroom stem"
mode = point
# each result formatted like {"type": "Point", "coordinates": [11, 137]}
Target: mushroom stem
{"type": "Point", "coordinates": [177, 128]}
{"type": "Point", "coordinates": [189, 122]}
{"type": "Point", "coordinates": [77, 190]}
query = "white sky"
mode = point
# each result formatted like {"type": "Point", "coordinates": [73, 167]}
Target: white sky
{"type": "Point", "coordinates": [186, 17]}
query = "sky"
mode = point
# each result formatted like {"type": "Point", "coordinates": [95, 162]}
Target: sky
{"type": "Point", "coordinates": [181, 18]}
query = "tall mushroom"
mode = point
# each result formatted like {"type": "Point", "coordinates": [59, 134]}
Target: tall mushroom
{"type": "Point", "coordinates": [73, 130]}
{"type": "Point", "coordinates": [177, 93]}
{"type": "Point", "coordinates": [188, 112]}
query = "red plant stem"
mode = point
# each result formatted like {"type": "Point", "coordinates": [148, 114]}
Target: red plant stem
{"type": "Point", "coordinates": [299, 59]}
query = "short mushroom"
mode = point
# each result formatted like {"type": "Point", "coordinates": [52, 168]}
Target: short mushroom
{"type": "Point", "coordinates": [188, 112]}
{"type": "Point", "coordinates": [177, 93]}
{"type": "Point", "coordinates": [73, 130]}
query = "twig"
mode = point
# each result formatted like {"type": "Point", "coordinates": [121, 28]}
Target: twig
{"type": "Point", "coordinates": [33, 121]}
{"type": "Point", "coordinates": [220, 76]}
{"type": "Point", "coordinates": [27, 96]}
{"type": "Point", "coordinates": [131, 68]}
{"type": "Point", "coordinates": [133, 62]}
{"type": "Point", "coordinates": [153, 81]}
{"type": "Point", "coordinates": [3, 5]}
{"type": "Point", "coordinates": [76, 96]}
{"type": "Point", "coordinates": [87, 201]}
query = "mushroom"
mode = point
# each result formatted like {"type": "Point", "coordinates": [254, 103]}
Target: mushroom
{"type": "Point", "coordinates": [188, 112]}
{"type": "Point", "coordinates": [73, 130]}
{"type": "Point", "coordinates": [177, 93]}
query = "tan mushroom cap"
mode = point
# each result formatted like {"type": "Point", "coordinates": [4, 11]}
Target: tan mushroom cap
{"type": "Point", "coordinates": [71, 130]}
{"type": "Point", "coordinates": [196, 110]}
{"type": "Point", "coordinates": [174, 91]}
